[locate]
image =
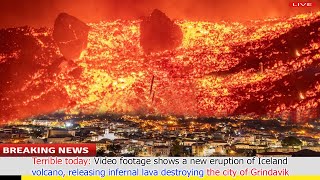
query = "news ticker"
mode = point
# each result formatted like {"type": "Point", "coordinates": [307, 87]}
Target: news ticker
{"type": "Point", "coordinates": [161, 178]}
{"type": "Point", "coordinates": [158, 166]}
{"type": "Point", "coordinates": [175, 178]}
{"type": "Point", "coordinates": [45, 161]}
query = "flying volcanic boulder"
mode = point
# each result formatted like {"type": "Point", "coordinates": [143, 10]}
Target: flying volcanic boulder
{"type": "Point", "coordinates": [71, 35]}
{"type": "Point", "coordinates": [159, 33]}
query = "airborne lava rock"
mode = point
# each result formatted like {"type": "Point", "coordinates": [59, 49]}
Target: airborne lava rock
{"type": "Point", "coordinates": [71, 35]}
{"type": "Point", "coordinates": [159, 33]}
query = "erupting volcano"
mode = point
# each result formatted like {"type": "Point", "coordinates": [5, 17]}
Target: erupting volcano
{"type": "Point", "coordinates": [264, 68]}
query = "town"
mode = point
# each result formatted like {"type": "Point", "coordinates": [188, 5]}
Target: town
{"type": "Point", "coordinates": [158, 135]}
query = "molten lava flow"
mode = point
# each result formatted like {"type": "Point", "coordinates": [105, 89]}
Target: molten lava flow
{"type": "Point", "coordinates": [253, 69]}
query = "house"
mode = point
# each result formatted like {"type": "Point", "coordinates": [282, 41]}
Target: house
{"type": "Point", "coordinates": [198, 149]}
{"type": "Point", "coordinates": [161, 151]}
{"type": "Point", "coordinates": [60, 135]}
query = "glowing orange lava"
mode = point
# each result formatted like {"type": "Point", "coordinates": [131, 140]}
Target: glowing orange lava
{"type": "Point", "coordinates": [219, 70]}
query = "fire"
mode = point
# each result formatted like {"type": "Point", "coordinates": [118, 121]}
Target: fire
{"type": "Point", "coordinates": [298, 53]}
{"type": "Point", "coordinates": [205, 76]}
{"type": "Point", "coordinates": [301, 96]}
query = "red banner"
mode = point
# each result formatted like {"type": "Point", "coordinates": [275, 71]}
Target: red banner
{"type": "Point", "coordinates": [25, 150]}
